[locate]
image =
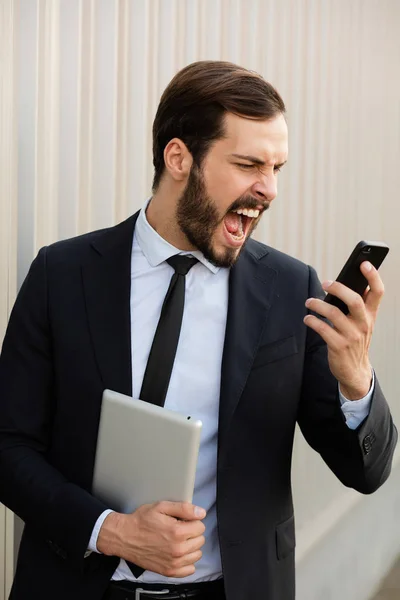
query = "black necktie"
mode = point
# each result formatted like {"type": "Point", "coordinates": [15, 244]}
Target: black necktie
{"type": "Point", "coordinates": [165, 342]}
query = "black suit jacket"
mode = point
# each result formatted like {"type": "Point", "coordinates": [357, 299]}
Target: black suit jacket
{"type": "Point", "coordinates": [69, 338]}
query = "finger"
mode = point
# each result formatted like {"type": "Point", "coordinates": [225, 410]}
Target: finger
{"type": "Point", "coordinates": [184, 566]}
{"type": "Point", "coordinates": [353, 300]}
{"type": "Point", "coordinates": [190, 559]}
{"type": "Point", "coordinates": [189, 546]}
{"type": "Point", "coordinates": [181, 510]}
{"type": "Point", "coordinates": [328, 334]}
{"type": "Point", "coordinates": [187, 530]}
{"type": "Point", "coordinates": [194, 544]}
{"type": "Point", "coordinates": [338, 319]}
{"type": "Point", "coordinates": [182, 572]}
{"type": "Point", "coordinates": [377, 289]}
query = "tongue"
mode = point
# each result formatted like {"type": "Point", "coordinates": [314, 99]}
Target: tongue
{"type": "Point", "coordinates": [232, 222]}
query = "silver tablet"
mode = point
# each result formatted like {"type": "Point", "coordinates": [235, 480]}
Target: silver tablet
{"type": "Point", "coordinates": [145, 453]}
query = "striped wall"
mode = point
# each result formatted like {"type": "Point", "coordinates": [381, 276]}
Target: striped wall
{"type": "Point", "coordinates": [79, 85]}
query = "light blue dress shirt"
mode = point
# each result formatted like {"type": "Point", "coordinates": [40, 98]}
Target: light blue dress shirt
{"type": "Point", "coordinates": [190, 391]}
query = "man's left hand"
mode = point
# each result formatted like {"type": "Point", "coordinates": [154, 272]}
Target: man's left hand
{"type": "Point", "coordinates": [349, 337]}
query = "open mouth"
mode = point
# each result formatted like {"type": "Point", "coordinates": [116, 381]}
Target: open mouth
{"type": "Point", "coordinates": [238, 224]}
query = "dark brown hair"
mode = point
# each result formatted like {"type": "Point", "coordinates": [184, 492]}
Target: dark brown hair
{"type": "Point", "coordinates": [193, 106]}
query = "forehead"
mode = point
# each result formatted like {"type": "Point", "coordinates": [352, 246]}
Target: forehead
{"type": "Point", "coordinates": [267, 140]}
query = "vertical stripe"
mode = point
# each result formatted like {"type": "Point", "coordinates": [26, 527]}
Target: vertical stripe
{"type": "Point", "coordinates": [85, 113]}
{"type": "Point", "coordinates": [103, 133]}
{"type": "Point", "coordinates": [68, 129]}
{"type": "Point", "coordinates": [139, 152]}
{"type": "Point", "coordinates": [47, 124]}
{"type": "Point", "coordinates": [8, 230]}
{"type": "Point", "coordinates": [26, 108]}
{"type": "Point", "coordinates": [121, 111]}
{"type": "Point", "coordinates": [8, 161]}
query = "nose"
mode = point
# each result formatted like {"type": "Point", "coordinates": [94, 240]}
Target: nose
{"type": "Point", "coordinates": [265, 188]}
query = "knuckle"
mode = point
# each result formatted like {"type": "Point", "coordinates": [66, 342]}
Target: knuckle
{"type": "Point", "coordinates": [197, 556]}
{"type": "Point", "coordinates": [199, 528]}
{"type": "Point", "coordinates": [177, 551]}
{"type": "Point", "coordinates": [176, 563]}
{"type": "Point", "coordinates": [360, 334]}
{"type": "Point", "coordinates": [176, 532]}
{"type": "Point", "coordinates": [169, 572]}
{"type": "Point", "coordinates": [352, 304]}
{"type": "Point", "coordinates": [333, 313]}
{"type": "Point", "coordinates": [172, 565]}
{"type": "Point", "coordinates": [352, 337]}
{"type": "Point", "coordinates": [357, 301]}
{"type": "Point", "coordinates": [344, 345]}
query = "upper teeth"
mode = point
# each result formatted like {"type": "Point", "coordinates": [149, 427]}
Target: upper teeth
{"type": "Point", "coordinates": [248, 212]}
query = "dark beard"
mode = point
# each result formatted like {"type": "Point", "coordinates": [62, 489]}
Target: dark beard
{"type": "Point", "coordinates": [198, 218]}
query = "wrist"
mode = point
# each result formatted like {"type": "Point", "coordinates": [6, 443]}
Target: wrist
{"type": "Point", "coordinates": [109, 540]}
{"type": "Point", "coordinates": [359, 389]}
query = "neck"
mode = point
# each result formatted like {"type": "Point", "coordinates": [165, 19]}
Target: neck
{"type": "Point", "coordinates": [161, 215]}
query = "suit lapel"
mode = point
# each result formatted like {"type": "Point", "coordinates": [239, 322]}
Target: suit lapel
{"type": "Point", "coordinates": [107, 284]}
{"type": "Point", "coordinates": [251, 290]}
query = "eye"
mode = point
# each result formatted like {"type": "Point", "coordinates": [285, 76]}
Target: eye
{"type": "Point", "coordinates": [277, 168]}
{"type": "Point", "coordinates": [245, 167]}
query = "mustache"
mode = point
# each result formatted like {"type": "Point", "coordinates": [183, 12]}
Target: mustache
{"type": "Point", "coordinates": [249, 202]}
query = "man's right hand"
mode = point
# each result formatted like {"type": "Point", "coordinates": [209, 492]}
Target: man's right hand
{"type": "Point", "coordinates": [165, 537]}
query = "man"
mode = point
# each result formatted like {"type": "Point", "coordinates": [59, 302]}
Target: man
{"type": "Point", "coordinates": [252, 359]}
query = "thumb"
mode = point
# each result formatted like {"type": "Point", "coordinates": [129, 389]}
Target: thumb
{"type": "Point", "coordinates": [182, 510]}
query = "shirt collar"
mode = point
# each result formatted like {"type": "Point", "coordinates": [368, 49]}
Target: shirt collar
{"type": "Point", "coordinates": [156, 249]}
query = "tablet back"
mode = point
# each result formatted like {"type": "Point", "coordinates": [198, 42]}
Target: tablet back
{"type": "Point", "coordinates": [145, 454]}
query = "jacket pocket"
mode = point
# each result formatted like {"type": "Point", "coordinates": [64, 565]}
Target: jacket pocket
{"type": "Point", "coordinates": [285, 538]}
{"type": "Point", "coordinates": [275, 351]}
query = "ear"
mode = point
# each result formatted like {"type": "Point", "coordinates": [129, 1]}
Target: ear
{"type": "Point", "coordinates": [178, 160]}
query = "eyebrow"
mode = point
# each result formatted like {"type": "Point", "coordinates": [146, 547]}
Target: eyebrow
{"type": "Point", "coordinates": [254, 159]}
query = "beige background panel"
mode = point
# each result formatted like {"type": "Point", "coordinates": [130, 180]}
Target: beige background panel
{"type": "Point", "coordinates": [79, 87]}
{"type": "Point", "coordinates": [8, 231]}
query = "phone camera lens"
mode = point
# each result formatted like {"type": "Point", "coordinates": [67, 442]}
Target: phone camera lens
{"type": "Point", "coordinates": [367, 250]}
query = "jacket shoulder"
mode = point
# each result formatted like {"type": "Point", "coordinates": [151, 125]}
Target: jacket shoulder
{"type": "Point", "coordinates": [74, 250]}
{"type": "Point", "coordinates": [278, 260]}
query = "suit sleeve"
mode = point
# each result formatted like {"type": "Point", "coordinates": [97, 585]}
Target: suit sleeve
{"type": "Point", "coordinates": [61, 513]}
{"type": "Point", "coordinates": [360, 458]}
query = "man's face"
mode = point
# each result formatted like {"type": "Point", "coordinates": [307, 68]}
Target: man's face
{"type": "Point", "coordinates": [238, 173]}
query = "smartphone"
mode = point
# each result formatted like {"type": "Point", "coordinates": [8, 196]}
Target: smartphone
{"type": "Point", "coordinates": [351, 276]}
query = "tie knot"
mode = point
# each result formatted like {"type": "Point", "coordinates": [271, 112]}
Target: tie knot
{"type": "Point", "coordinates": [182, 264]}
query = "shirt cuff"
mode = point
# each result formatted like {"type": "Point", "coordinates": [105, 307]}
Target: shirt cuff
{"type": "Point", "coordinates": [355, 411]}
{"type": "Point", "coordinates": [95, 533]}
